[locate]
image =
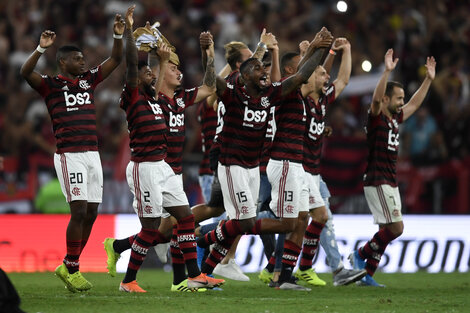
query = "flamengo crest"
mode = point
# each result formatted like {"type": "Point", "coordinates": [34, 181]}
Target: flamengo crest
{"type": "Point", "coordinates": [83, 84]}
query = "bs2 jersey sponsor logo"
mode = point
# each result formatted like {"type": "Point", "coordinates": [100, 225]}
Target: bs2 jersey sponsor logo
{"type": "Point", "coordinates": [393, 140]}
{"type": "Point", "coordinates": [254, 119]}
{"type": "Point", "coordinates": [316, 129]}
{"type": "Point", "coordinates": [176, 119]}
{"type": "Point", "coordinates": [79, 98]}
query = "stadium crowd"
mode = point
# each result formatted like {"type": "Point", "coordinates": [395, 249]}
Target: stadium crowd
{"type": "Point", "coordinates": [437, 137]}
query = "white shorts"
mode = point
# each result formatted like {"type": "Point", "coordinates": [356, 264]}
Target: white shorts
{"type": "Point", "coordinates": [80, 175]}
{"type": "Point", "coordinates": [240, 188]}
{"type": "Point", "coordinates": [173, 192]}
{"type": "Point", "coordinates": [384, 203]}
{"type": "Point", "coordinates": [287, 180]}
{"type": "Point", "coordinates": [315, 199]}
{"type": "Point", "coordinates": [150, 182]}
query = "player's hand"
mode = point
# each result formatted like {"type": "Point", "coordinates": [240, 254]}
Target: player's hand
{"type": "Point", "coordinates": [268, 38]}
{"type": "Point", "coordinates": [340, 44]}
{"type": "Point", "coordinates": [390, 63]}
{"type": "Point", "coordinates": [119, 25]}
{"type": "Point", "coordinates": [323, 39]}
{"type": "Point", "coordinates": [47, 38]}
{"type": "Point", "coordinates": [164, 52]}
{"type": "Point", "coordinates": [205, 40]}
{"type": "Point", "coordinates": [130, 16]}
{"type": "Point", "coordinates": [328, 131]}
{"type": "Point", "coordinates": [273, 45]}
{"type": "Point", "coordinates": [303, 46]}
{"type": "Point", "coordinates": [430, 67]}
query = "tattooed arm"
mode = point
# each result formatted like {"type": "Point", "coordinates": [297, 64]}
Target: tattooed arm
{"type": "Point", "coordinates": [208, 86]}
{"type": "Point", "coordinates": [318, 47]}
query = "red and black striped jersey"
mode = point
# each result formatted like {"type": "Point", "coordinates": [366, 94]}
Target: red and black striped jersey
{"type": "Point", "coordinates": [72, 109]}
{"type": "Point", "coordinates": [268, 139]}
{"type": "Point", "coordinates": [173, 110]}
{"type": "Point", "coordinates": [313, 138]}
{"type": "Point", "coordinates": [232, 78]}
{"type": "Point", "coordinates": [208, 119]}
{"type": "Point", "coordinates": [383, 140]}
{"type": "Point", "coordinates": [245, 122]}
{"type": "Point", "coordinates": [289, 128]}
{"type": "Point", "coordinates": [146, 124]}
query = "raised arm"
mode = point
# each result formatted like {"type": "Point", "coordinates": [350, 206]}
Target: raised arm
{"type": "Point", "coordinates": [379, 91]}
{"type": "Point", "coordinates": [318, 46]}
{"type": "Point", "coordinates": [307, 51]}
{"type": "Point", "coordinates": [164, 54]}
{"type": "Point", "coordinates": [116, 54]}
{"type": "Point", "coordinates": [342, 44]}
{"type": "Point", "coordinates": [27, 69]}
{"type": "Point", "coordinates": [131, 50]}
{"type": "Point", "coordinates": [275, 66]}
{"type": "Point", "coordinates": [262, 46]}
{"type": "Point", "coordinates": [209, 83]}
{"type": "Point", "coordinates": [205, 40]}
{"type": "Point", "coordinates": [266, 41]}
{"type": "Point", "coordinates": [420, 94]}
{"type": "Point", "coordinates": [328, 63]}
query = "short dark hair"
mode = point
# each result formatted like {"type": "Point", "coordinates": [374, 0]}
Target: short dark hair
{"type": "Point", "coordinates": [390, 86]}
{"type": "Point", "coordinates": [64, 50]}
{"type": "Point", "coordinates": [141, 64]}
{"type": "Point", "coordinates": [233, 54]}
{"type": "Point", "coordinates": [286, 59]}
{"type": "Point", "coordinates": [246, 64]}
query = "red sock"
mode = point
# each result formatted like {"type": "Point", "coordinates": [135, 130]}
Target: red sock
{"type": "Point", "coordinates": [160, 238]}
{"type": "Point", "coordinates": [139, 250]}
{"type": "Point", "coordinates": [73, 254]}
{"type": "Point", "coordinates": [373, 250]}
{"type": "Point", "coordinates": [175, 251]}
{"type": "Point", "coordinates": [310, 244]}
{"type": "Point", "coordinates": [218, 252]}
{"type": "Point", "coordinates": [187, 244]}
{"type": "Point", "coordinates": [289, 260]}
{"type": "Point", "coordinates": [186, 237]}
{"type": "Point", "coordinates": [256, 230]}
{"type": "Point", "coordinates": [140, 247]}
{"type": "Point", "coordinates": [223, 231]}
{"type": "Point", "coordinates": [271, 263]}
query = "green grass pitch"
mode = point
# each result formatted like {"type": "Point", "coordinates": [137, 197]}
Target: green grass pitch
{"type": "Point", "coordinates": [418, 292]}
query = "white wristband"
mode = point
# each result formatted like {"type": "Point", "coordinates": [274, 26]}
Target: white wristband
{"type": "Point", "coordinates": [40, 49]}
{"type": "Point", "coordinates": [116, 36]}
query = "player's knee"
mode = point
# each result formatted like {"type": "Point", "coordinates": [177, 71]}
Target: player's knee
{"type": "Point", "coordinates": [91, 216]}
{"type": "Point", "coordinates": [302, 220]}
{"type": "Point", "coordinates": [320, 216]}
{"type": "Point", "coordinates": [398, 231]}
{"type": "Point", "coordinates": [78, 216]}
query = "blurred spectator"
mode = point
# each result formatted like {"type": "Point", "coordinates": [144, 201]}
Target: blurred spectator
{"type": "Point", "coordinates": [423, 142]}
